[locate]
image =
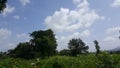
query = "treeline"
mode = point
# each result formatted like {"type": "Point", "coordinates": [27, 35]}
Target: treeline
{"type": "Point", "coordinates": [43, 45]}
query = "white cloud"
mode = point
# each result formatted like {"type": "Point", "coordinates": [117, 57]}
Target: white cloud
{"type": "Point", "coordinates": [8, 10]}
{"type": "Point", "coordinates": [10, 41]}
{"type": "Point", "coordinates": [68, 24]}
{"type": "Point", "coordinates": [111, 40]}
{"type": "Point", "coordinates": [116, 3]}
{"type": "Point", "coordinates": [24, 2]}
{"type": "Point", "coordinates": [113, 30]}
{"type": "Point", "coordinates": [4, 34]}
{"type": "Point", "coordinates": [70, 20]}
{"type": "Point", "coordinates": [16, 17]}
{"type": "Point", "coordinates": [23, 37]}
{"type": "Point", "coordinates": [76, 1]}
{"type": "Point", "coordinates": [85, 33]}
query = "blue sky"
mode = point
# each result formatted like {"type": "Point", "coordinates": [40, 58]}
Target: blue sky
{"type": "Point", "coordinates": [86, 19]}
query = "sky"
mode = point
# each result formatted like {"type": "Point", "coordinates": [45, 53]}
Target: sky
{"type": "Point", "coordinates": [86, 19]}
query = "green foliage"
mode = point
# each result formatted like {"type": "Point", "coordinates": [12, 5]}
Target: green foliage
{"type": "Point", "coordinates": [103, 60]}
{"type": "Point", "coordinates": [43, 44]}
{"type": "Point", "coordinates": [23, 50]}
{"type": "Point", "coordinates": [106, 60]}
{"type": "Point", "coordinates": [3, 55]}
{"type": "Point", "coordinates": [64, 52]}
{"type": "Point", "coordinates": [2, 5]}
{"type": "Point", "coordinates": [77, 46]}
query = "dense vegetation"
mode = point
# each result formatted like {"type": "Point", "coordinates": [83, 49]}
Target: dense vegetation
{"type": "Point", "coordinates": [104, 60]}
{"type": "Point", "coordinates": [42, 45]}
{"type": "Point", "coordinates": [40, 52]}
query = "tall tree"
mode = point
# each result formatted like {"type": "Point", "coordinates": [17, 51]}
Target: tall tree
{"type": "Point", "coordinates": [77, 46]}
{"type": "Point", "coordinates": [97, 47]}
{"type": "Point", "coordinates": [44, 42]}
{"type": "Point", "coordinates": [2, 5]}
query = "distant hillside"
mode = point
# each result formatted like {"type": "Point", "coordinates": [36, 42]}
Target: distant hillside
{"type": "Point", "coordinates": [115, 49]}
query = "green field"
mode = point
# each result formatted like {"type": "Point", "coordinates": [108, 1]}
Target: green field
{"type": "Point", "coordinates": [82, 61]}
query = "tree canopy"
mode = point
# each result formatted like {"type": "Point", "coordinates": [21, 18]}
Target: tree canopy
{"type": "Point", "coordinates": [77, 46]}
{"type": "Point", "coordinates": [23, 50]}
{"type": "Point", "coordinates": [43, 44]}
{"type": "Point", "coordinates": [2, 5]}
{"type": "Point", "coordinates": [97, 47]}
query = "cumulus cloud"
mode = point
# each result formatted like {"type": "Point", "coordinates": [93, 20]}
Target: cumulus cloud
{"type": "Point", "coordinates": [85, 33]}
{"type": "Point", "coordinates": [4, 34]}
{"type": "Point", "coordinates": [112, 38]}
{"type": "Point", "coordinates": [109, 39]}
{"type": "Point", "coordinates": [23, 37]}
{"type": "Point", "coordinates": [8, 10]}
{"type": "Point", "coordinates": [68, 24]}
{"type": "Point", "coordinates": [70, 20]}
{"type": "Point", "coordinates": [10, 41]}
{"type": "Point", "coordinates": [24, 2]}
{"type": "Point", "coordinates": [113, 30]}
{"type": "Point", "coordinates": [116, 3]}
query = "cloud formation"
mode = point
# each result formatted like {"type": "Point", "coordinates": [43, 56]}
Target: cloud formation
{"type": "Point", "coordinates": [113, 30]}
{"type": "Point", "coordinates": [23, 37]}
{"type": "Point", "coordinates": [70, 20]}
{"type": "Point", "coordinates": [10, 41]}
{"type": "Point", "coordinates": [4, 34]}
{"type": "Point", "coordinates": [24, 2]}
{"type": "Point", "coordinates": [112, 38]}
{"type": "Point", "coordinates": [116, 3]}
{"type": "Point", "coordinates": [8, 10]}
{"type": "Point", "coordinates": [68, 24]}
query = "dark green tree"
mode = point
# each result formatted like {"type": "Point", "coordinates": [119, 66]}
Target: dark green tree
{"type": "Point", "coordinates": [97, 47]}
{"type": "Point", "coordinates": [2, 5]}
{"type": "Point", "coordinates": [65, 52]}
{"type": "Point", "coordinates": [23, 50]}
{"type": "Point", "coordinates": [44, 42]}
{"type": "Point", "coordinates": [77, 46]}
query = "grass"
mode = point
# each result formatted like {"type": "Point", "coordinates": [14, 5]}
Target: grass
{"type": "Point", "coordinates": [82, 61]}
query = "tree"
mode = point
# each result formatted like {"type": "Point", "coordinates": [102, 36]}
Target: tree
{"type": "Point", "coordinates": [2, 5]}
{"type": "Point", "coordinates": [23, 50]}
{"type": "Point", "coordinates": [97, 47]}
{"type": "Point", "coordinates": [77, 46]}
{"type": "Point", "coordinates": [64, 52]}
{"type": "Point", "coordinates": [44, 42]}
